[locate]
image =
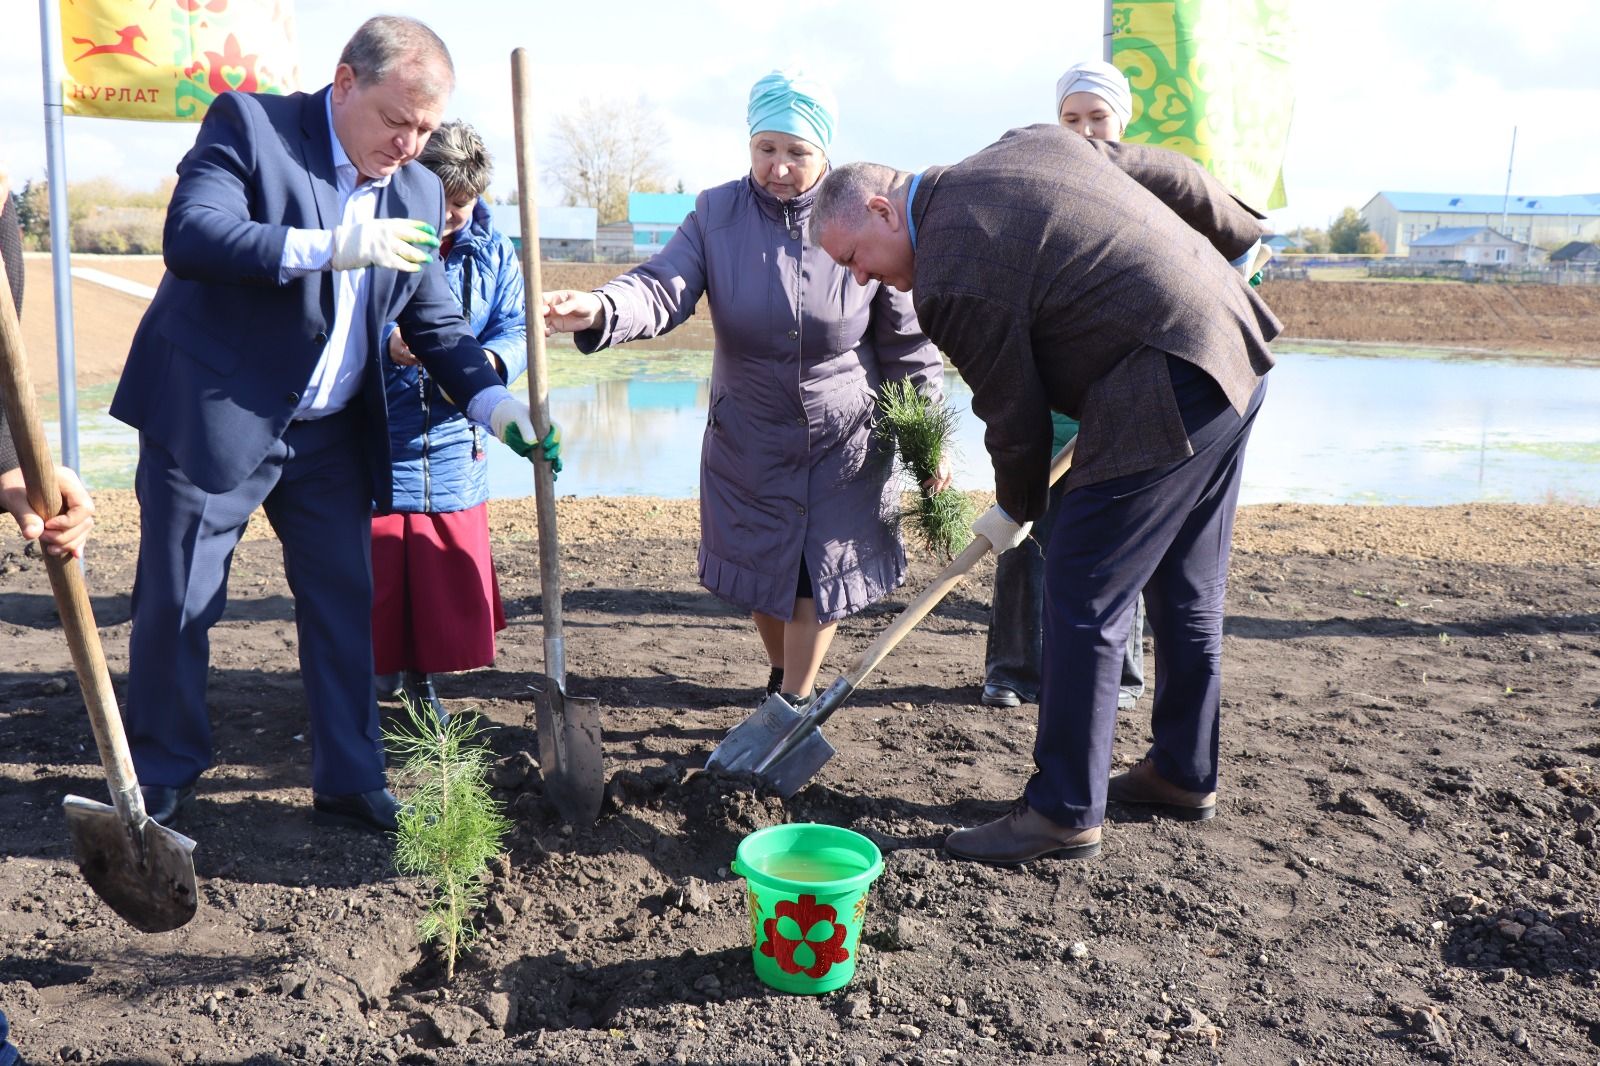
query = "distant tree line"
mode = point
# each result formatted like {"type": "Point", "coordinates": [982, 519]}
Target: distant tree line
{"type": "Point", "coordinates": [606, 149]}
{"type": "Point", "coordinates": [104, 216]}
{"type": "Point", "coordinates": [1346, 235]}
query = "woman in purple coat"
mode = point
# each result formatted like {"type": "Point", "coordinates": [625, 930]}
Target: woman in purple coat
{"type": "Point", "coordinates": [798, 511]}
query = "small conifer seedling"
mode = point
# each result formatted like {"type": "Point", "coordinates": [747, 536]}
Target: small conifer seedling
{"type": "Point", "coordinates": [921, 432]}
{"type": "Point", "coordinates": [450, 827]}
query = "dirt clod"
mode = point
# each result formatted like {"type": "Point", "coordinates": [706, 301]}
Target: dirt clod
{"type": "Point", "coordinates": [1404, 821]}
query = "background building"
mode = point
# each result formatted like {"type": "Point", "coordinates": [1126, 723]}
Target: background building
{"type": "Point", "coordinates": [1471, 244]}
{"type": "Point", "coordinates": [613, 243]}
{"type": "Point", "coordinates": [1584, 255]}
{"type": "Point", "coordinates": [1548, 221]}
{"type": "Point", "coordinates": [564, 232]}
{"type": "Point", "coordinates": [655, 217]}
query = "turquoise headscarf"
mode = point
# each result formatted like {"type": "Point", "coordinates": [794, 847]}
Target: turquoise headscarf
{"type": "Point", "coordinates": [796, 104]}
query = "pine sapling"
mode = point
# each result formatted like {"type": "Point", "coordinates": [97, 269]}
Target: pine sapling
{"type": "Point", "coordinates": [451, 826]}
{"type": "Point", "coordinates": [921, 432]}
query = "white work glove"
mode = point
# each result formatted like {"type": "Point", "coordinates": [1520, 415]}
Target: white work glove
{"type": "Point", "coordinates": [511, 413]}
{"type": "Point", "coordinates": [390, 243]}
{"type": "Point", "coordinates": [996, 527]}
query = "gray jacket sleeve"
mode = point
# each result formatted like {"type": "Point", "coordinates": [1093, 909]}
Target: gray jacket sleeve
{"type": "Point", "coordinates": [990, 346]}
{"type": "Point", "coordinates": [1191, 192]}
{"type": "Point", "coordinates": [654, 297]}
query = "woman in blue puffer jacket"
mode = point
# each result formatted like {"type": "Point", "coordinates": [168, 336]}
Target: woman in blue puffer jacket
{"type": "Point", "coordinates": [435, 602]}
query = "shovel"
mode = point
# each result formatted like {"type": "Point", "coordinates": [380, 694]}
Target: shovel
{"type": "Point", "coordinates": [570, 751]}
{"type": "Point", "coordinates": [784, 747]}
{"type": "Point", "coordinates": [144, 871]}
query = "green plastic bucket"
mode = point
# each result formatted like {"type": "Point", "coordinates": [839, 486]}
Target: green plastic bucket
{"type": "Point", "coordinates": [807, 887]}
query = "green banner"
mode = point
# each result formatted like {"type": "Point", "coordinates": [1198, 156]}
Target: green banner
{"type": "Point", "coordinates": [1211, 79]}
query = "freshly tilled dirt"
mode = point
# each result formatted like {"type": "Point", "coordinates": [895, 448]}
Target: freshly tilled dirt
{"type": "Point", "coordinates": [1404, 866]}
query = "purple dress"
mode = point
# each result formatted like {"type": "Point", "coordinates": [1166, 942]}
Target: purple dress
{"type": "Point", "coordinates": [791, 473]}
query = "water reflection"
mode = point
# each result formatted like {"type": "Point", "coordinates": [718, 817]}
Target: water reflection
{"type": "Point", "coordinates": [1342, 429]}
{"type": "Point", "coordinates": [1334, 429]}
{"type": "Point", "coordinates": [620, 438]}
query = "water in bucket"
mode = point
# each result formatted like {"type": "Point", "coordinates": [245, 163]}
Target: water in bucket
{"type": "Point", "coordinates": [807, 887]}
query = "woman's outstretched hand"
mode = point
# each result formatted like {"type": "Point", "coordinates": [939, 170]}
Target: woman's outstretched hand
{"type": "Point", "coordinates": [571, 310]}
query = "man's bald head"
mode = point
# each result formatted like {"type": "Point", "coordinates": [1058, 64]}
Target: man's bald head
{"type": "Point", "coordinates": [389, 44]}
{"type": "Point", "coordinates": [842, 198]}
{"type": "Point", "coordinates": [859, 218]}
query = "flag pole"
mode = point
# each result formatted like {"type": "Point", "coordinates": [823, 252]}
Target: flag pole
{"type": "Point", "coordinates": [60, 230]}
{"type": "Point", "coordinates": [1505, 201]}
{"type": "Point", "coordinates": [1105, 35]}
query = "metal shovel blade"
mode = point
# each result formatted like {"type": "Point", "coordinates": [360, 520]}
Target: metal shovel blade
{"type": "Point", "coordinates": [145, 874]}
{"type": "Point", "coordinates": [571, 754]}
{"type": "Point", "coordinates": [749, 747]}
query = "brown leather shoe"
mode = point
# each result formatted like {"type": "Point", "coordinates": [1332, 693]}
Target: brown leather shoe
{"type": "Point", "coordinates": [1022, 836]}
{"type": "Point", "coordinates": [1141, 786]}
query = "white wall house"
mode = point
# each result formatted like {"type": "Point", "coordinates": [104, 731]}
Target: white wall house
{"type": "Point", "coordinates": [1479, 245]}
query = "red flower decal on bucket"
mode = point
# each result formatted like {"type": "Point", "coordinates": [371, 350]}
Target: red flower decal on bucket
{"type": "Point", "coordinates": [807, 915]}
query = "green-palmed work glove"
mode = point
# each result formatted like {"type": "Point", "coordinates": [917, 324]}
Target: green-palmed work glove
{"type": "Point", "coordinates": [550, 447]}
{"type": "Point", "coordinates": [390, 243]}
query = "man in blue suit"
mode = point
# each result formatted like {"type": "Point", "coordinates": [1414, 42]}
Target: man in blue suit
{"type": "Point", "coordinates": [299, 226]}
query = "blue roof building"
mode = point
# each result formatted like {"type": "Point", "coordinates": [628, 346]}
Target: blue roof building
{"type": "Point", "coordinates": [1402, 217]}
{"type": "Point", "coordinates": [655, 217]}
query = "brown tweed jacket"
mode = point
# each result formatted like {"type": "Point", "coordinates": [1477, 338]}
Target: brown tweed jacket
{"type": "Point", "coordinates": [1056, 271]}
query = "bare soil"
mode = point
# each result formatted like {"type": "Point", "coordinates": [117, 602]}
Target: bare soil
{"type": "Point", "coordinates": [1551, 319]}
{"type": "Point", "coordinates": [1404, 867]}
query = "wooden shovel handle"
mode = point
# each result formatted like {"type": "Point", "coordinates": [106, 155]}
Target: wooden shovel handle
{"type": "Point", "coordinates": [544, 486]}
{"type": "Point", "coordinates": [948, 579]}
{"type": "Point", "coordinates": [66, 578]}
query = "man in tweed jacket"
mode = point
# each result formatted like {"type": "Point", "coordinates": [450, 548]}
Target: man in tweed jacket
{"type": "Point", "coordinates": [1096, 279]}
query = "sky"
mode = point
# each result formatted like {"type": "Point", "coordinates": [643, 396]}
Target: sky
{"type": "Point", "coordinates": [1420, 95]}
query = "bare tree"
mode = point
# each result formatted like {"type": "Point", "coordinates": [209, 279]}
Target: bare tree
{"type": "Point", "coordinates": [604, 151]}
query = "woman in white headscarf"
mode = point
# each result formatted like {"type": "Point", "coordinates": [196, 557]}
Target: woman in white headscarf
{"type": "Point", "coordinates": [1093, 99]}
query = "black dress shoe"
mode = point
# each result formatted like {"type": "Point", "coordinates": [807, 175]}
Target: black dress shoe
{"type": "Point", "coordinates": [419, 690]}
{"type": "Point", "coordinates": [1000, 696]}
{"type": "Point", "coordinates": [163, 802]}
{"type": "Point", "coordinates": [376, 811]}
{"type": "Point", "coordinates": [389, 686]}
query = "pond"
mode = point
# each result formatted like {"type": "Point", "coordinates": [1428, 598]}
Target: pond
{"type": "Point", "coordinates": [1337, 427]}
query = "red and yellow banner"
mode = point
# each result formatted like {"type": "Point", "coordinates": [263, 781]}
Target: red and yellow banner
{"type": "Point", "coordinates": [166, 60]}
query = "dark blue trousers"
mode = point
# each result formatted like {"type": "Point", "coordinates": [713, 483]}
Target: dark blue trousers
{"type": "Point", "coordinates": [1015, 646]}
{"type": "Point", "coordinates": [1168, 532]}
{"type": "Point", "coordinates": [316, 489]}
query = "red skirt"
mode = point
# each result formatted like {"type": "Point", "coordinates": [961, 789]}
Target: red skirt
{"type": "Point", "coordinates": [435, 601]}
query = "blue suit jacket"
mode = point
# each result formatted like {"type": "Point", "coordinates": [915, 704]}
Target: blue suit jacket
{"type": "Point", "coordinates": [223, 352]}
